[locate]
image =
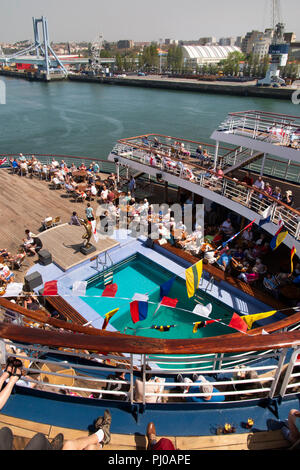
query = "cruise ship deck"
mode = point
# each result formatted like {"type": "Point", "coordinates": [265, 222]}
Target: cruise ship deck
{"type": "Point", "coordinates": [71, 352]}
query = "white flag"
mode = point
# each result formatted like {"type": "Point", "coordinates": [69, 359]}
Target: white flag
{"type": "Point", "coordinates": [141, 297]}
{"type": "Point", "coordinates": [94, 230]}
{"type": "Point", "coordinates": [79, 288]}
{"type": "Point", "coordinates": [202, 310]}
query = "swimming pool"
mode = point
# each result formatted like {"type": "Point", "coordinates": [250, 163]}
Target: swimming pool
{"type": "Point", "coordinates": [138, 274]}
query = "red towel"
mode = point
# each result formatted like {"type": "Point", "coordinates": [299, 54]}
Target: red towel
{"type": "Point", "coordinates": [110, 290]}
{"type": "Point", "coordinates": [50, 288]}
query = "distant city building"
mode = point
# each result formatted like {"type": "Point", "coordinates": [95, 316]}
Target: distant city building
{"type": "Point", "coordinates": [294, 54]}
{"type": "Point", "coordinates": [262, 43]}
{"type": "Point", "coordinates": [207, 41]}
{"type": "Point", "coordinates": [169, 42]}
{"type": "Point", "coordinates": [200, 55]}
{"type": "Point", "coordinates": [289, 37]}
{"type": "Point", "coordinates": [227, 41]}
{"type": "Point", "coordinates": [238, 41]}
{"type": "Point", "coordinates": [125, 44]}
{"type": "Point", "coordinates": [142, 44]}
{"type": "Point", "coordinates": [261, 47]}
{"type": "Point", "coordinates": [249, 40]}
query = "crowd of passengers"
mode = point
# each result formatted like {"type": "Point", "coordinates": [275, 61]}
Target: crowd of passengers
{"type": "Point", "coordinates": [244, 258]}
{"type": "Point", "coordinates": [62, 176]}
{"type": "Point", "coordinates": [80, 180]}
{"type": "Point", "coordinates": [117, 385]}
{"type": "Point", "coordinates": [13, 373]}
{"type": "Point", "coordinates": [163, 157]}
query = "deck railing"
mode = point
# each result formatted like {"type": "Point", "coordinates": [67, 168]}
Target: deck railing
{"type": "Point", "coordinates": [230, 188]}
{"type": "Point", "coordinates": [272, 370]}
{"type": "Point", "coordinates": [258, 125]}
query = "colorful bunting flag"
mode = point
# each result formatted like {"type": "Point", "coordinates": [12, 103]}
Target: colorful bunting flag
{"type": "Point", "coordinates": [50, 288]}
{"type": "Point", "coordinates": [266, 216]}
{"type": "Point", "coordinates": [237, 323]}
{"type": "Point", "coordinates": [250, 319]}
{"type": "Point", "coordinates": [166, 287]}
{"type": "Point", "coordinates": [278, 237]}
{"type": "Point", "coordinates": [203, 310]}
{"type": "Point", "coordinates": [162, 327]}
{"type": "Point", "coordinates": [249, 226]}
{"type": "Point", "coordinates": [108, 316]}
{"type": "Point", "coordinates": [142, 297]}
{"type": "Point", "coordinates": [193, 276]}
{"type": "Point", "coordinates": [94, 230]}
{"type": "Point", "coordinates": [293, 252]}
{"type": "Point", "coordinates": [79, 288]}
{"type": "Point", "coordinates": [202, 324]}
{"type": "Point", "coordinates": [110, 290]}
{"type": "Point", "coordinates": [168, 302]}
{"type": "Point", "coordinates": [138, 310]}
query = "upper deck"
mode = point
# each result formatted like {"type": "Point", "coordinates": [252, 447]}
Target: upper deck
{"type": "Point", "coordinates": [175, 161]}
{"type": "Point", "coordinates": [270, 133]}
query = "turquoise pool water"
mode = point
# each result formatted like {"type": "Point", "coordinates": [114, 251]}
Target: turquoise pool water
{"type": "Point", "coordinates": [140, 275]}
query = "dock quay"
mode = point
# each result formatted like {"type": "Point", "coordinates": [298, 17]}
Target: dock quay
{"type": "Point", "coordinates": [178, 84]}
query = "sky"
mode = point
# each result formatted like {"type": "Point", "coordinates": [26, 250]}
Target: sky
{"type": "Point", "coordinates": [141, 20]}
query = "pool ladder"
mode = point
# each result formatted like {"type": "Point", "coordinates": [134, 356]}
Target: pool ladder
{"type": "Point", "coordinates": [106, 263]}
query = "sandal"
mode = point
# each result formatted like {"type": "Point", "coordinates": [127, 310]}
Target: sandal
{"type": "Point", "coordinates": [9, 363]}
{"type": "Point", "coordinates": [15, 374]}
{"type": "Point", "coordinates": [17, 365]}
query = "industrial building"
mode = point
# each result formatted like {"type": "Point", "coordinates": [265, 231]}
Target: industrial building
{"type": "Point", "coordinates": [200, 55]}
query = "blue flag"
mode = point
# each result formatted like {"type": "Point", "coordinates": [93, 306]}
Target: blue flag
{"type": "Point", "coordinates": [166, 287]}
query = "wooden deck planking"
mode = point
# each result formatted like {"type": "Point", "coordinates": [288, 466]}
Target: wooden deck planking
{"type": "Point", "coordinates": [23, 430]}
{"type": "Point", "coordinates": [24, 203]}
{"type": "Point", "coordinates": [64, 243]}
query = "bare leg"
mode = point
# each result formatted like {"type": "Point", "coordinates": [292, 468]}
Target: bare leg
{"type": "Point", "coordinates": [6, 392]}
{"type": "Point", "coordinates": [82, 443]}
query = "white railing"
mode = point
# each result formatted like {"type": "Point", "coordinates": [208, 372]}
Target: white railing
{"type": "Point", "coordinates": [275, 129]}
{"type": "Point", "coordinates": [263, 370]}
{"type": "Point", "coordinates": [233, 377]}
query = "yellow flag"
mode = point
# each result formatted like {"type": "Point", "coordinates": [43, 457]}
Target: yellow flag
{"type": "Point", "coordinates": [196, 326]}
{"type": "Point", "coordinates": [250, 319]}
{"type": "Point", "coordinates": [193, 276]}
{"type": "Point", "coordinates": [108, 316]}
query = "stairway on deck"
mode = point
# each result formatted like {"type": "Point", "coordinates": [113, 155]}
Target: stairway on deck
{"type": "Point", "coordinates": [244, 162]}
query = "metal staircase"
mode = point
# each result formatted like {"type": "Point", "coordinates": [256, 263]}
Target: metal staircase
{"type": "Point", "coordinates": [239, 158]}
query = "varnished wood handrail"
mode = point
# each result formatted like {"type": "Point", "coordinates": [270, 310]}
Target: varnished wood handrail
{"type": "Point", "coordinates": [42, 317]}
{"type": "Point", "coordinates": [141, 345]}
{"type": "Point", "coordinates": [170, 346]}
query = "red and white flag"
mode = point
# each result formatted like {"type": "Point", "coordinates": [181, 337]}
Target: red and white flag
{"type": "Point", "coordinates": [4, 160]}
{"type": "Point", "coordinates": [94, 230]}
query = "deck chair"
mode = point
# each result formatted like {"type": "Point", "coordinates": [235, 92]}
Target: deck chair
{"type": "Point", "coordinates": [78, 197]}
{"type": "Point", "coordinates": [55, 380]}
{"type": "Point", "coordinates": [48, 224]}
{"type": "Point", "coordinates": [17, 264]}
{"type": "Point", "coordinates": [56, 221]}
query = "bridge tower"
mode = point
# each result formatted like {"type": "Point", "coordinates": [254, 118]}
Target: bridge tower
{"type": "Point", "coordinates": [43, 48]}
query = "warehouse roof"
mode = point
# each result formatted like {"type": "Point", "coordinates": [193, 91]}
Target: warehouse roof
{"type": "Point", "coordinates": [207, 52]}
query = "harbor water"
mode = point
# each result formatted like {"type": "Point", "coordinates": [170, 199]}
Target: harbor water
{"type": "Point", "coordinates": [87, 119]}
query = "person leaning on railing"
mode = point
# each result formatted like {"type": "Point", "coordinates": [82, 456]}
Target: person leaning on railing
{"type": "Point", "coordinates": [201, 385]}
